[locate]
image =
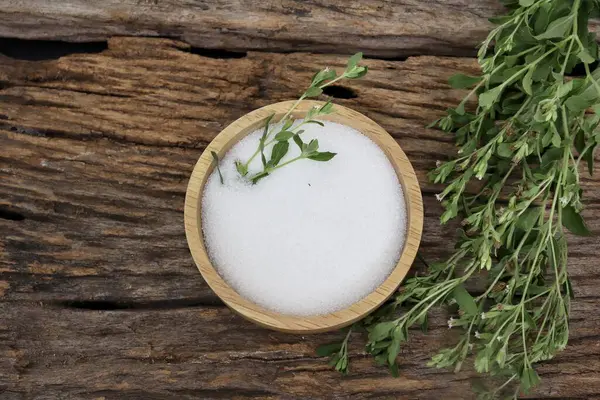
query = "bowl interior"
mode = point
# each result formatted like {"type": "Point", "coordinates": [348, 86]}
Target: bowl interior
{"type": "Point", "coordinates": [303, 324]}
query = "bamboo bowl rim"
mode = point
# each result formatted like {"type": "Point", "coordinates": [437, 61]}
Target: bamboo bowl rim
{"type": "Point", "coordinates": [289, 323]}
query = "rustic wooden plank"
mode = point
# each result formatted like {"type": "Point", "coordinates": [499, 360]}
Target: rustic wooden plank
{"type": "Point", "coordinates": [379, 28]}
{"type": "Point", "coordinates": [127, 126]}
{"type": "Point", "coordinates": [96, 152]}
{"type": "Point", "coordinates": [210, 353]}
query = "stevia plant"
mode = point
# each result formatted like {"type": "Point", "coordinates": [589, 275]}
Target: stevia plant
{"type": "Point", "coordinates": [280, 134]}
{"type": "Point", "coordinates": [524, 145]}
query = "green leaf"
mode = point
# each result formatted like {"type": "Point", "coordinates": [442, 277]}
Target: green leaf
{"type": "Point", "coordinates": [557, 251]}
{"type": "Point", "coordinates": [487, 99]}
{"type": "Point", "coordinates": [462, 81]}
{"type": "Point", "coordinates": [322, 76]}
{"type": "Point", "coordinates": [579, 141]}
{"type": "Point", "coordinates": [527, 80]}
{"type": "Point", "coordinates": [528, 219]}
{"type": "Point", "coordinates": [287, 124]}
{"type": "Point", "coordinates": [381, 331]}
{"type": "Point", "coordinates": [216, 160]}
{"type": "Point", "coordinates": [279, 150]}
{"type": "Point", "coordinates": [557, 28]}
{"type": "Point", "coordinates": [328, 349]}
{"type": "Point", "coordinates": [263, 139]}
{"type": "Point", "coordinates": [241, 168]}
{"type": "Point", "coordinates": [314, 121]}
{"type": "Point", "coordinates": [526, 3]}
{"type": "Point", "coordinates": [580, 102]}
{"type": "Point", "coordinates": [529, 379]}
{"type": "Point", "coordinates": [394, 370]}
{"type": "Point", "coordinates": [323, 156]}
{"type": "Point", "coordinates": [505, 150]}
{"type": "Point", "coordinates": [464, 300]}
{"type": "Point", "coordinates": [313, 91]}
{"type": "Point", "coordinates": [589, 157]}
{"type": "Point", "coordinates": [542, 17]}
{"type": "Point", "coordinates": [326, 108]}
{"type": "Point", "coordinates": [298, 141]}
{"type": "Point", "coordinates": [394, 348]}
{"type": "Point", "coordinates": [357, 72]}
{"type": "Point", "coordinates": [547, 138]}
{"type": "Point", "coordinates": [573, 221]}
{"type": "Point", "coordinates": [354, 60]}
{"type": "Point", "coordinates": [284, 136]}
{"type": "Point", "coordinates": [556, 139]}
{"type": "Point", "coordinates": [551, 155]}
{"type": "Point", "coordinates": [564, 89]}
{"type": "Point", "coordinates": [313, 146]}
{"type": "Point", "coordinates": [585, 57]}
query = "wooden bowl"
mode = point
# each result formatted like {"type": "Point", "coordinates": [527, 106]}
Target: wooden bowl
{"type": "Point", "coordinates": [318, 323]}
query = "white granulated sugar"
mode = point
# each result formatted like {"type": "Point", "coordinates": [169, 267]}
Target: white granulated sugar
{"type": "Point", "coordinates": [313, 237]}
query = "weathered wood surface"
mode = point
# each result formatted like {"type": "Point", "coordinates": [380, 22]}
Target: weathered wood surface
{"type": "Point", "coordinates": [379, 28]}
{"type": "Point", "coordinates": [99, 295]}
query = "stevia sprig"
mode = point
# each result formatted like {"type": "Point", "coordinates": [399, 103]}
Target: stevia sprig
{"type": "Point", "coordinates": [280, 137]}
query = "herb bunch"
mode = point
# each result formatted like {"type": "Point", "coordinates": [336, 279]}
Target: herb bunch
{"type": "Point", "coordinates": [520, 148]}
{"type": "Point", "coordinates": [281, 136]}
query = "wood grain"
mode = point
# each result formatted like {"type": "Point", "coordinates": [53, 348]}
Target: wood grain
{"type": "Point", "coordinates": [99, 296]}
{"type": "Point", "coordinates": [249, 123]}
{"type": "Point", "coordinates": [379, 28]}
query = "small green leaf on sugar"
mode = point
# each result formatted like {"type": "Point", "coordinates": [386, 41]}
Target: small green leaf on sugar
{"type": "Point", "coordinates": [284, 136]}
{"type": "Point", "coordinates": [241, 168]}
{"type": "Point", "coordinates": [323, 156]}
{"type": "Point", "coordinates": [280, 149]}
{"type": "Point", "coordinates": [314, 122]}
{"type": "Point", "coordinates": [287, 124]}
{"type": "Point", "coordinates": [298, 141]}
{"type": "Point", "coordinates": [216, 160]}
{"type": "Point", "coordinates": [313, 145]}
{"type": "Point", "coordinates": [462, 81]}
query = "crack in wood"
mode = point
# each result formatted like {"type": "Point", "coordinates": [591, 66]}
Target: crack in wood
{"type": "Point", "coordinates": [10, 214]}
{"type": "Point", "coordinates": [107, 305]}
{"type": "Point", "coordinates": [340, 92]}
{"type": "Point", "coordinates": [40, 50]}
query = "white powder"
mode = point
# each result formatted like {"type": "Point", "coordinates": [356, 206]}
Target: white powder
{"type": "Point", "coordinates": [313, 237]}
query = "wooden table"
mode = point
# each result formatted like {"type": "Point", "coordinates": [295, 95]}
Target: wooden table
{"type": "Point", "coordinates": [99, 297]}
